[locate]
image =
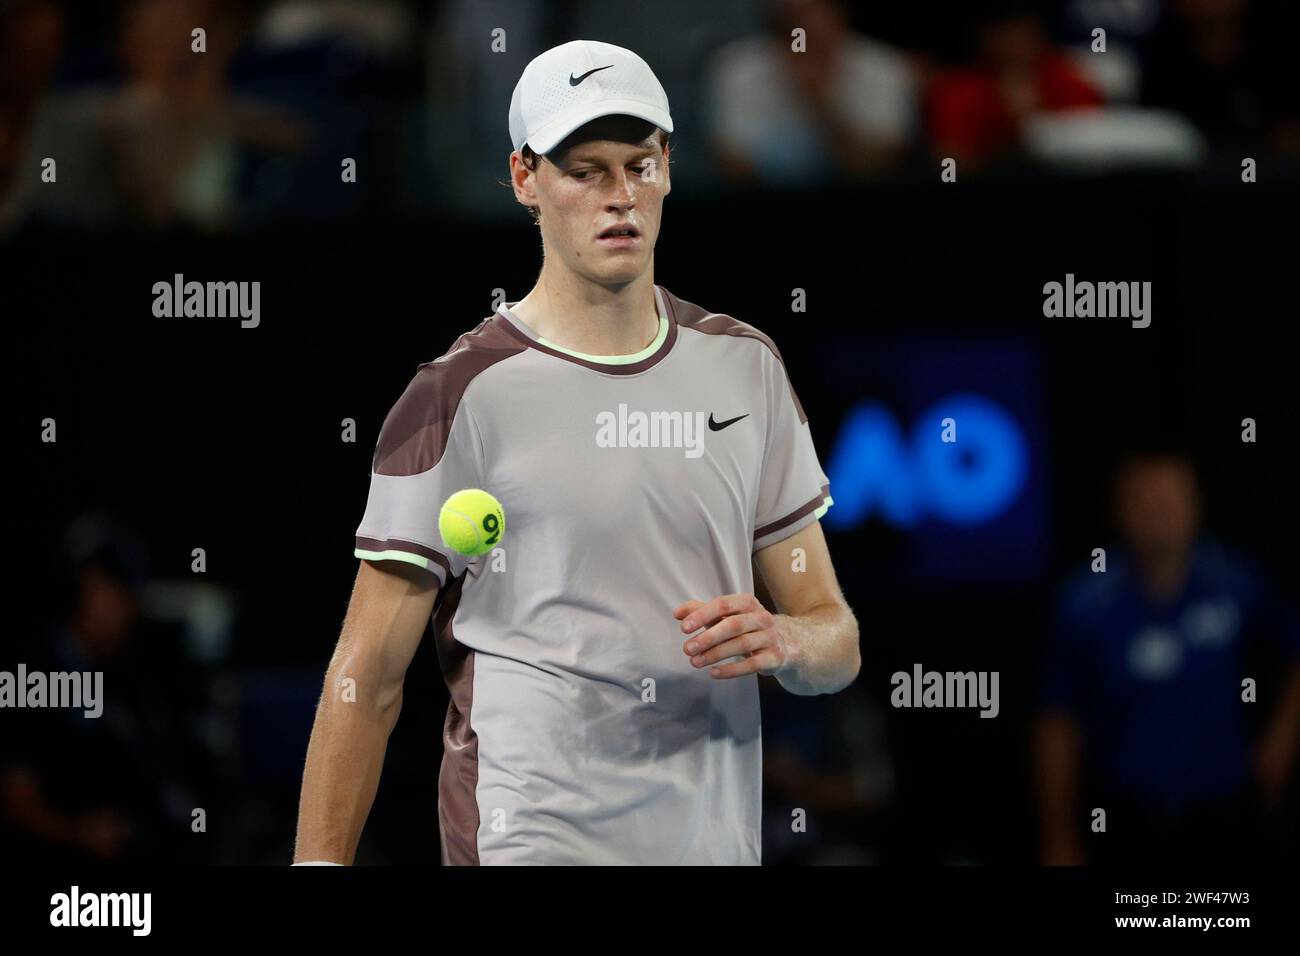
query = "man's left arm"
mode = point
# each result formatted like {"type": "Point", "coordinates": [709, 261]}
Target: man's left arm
{"type": "Point", "coordinates": [1275, 754]}
{"type": "Point", "coordinates": [1277, 623]}
{"type": "Point", "coordinates": [807, 640]}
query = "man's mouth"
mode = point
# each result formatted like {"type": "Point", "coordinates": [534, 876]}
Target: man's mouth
{"type": "Point", "coordinates": [620, 233]}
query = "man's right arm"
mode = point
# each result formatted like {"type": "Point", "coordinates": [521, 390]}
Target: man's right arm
{"type": "Point", "coordinates": [1057, 746]}
{"type": "Point", "coordinates": [391, 605]}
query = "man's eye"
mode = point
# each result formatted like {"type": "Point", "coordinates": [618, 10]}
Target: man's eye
{"type": "Point", "coordinates": [583, 173]}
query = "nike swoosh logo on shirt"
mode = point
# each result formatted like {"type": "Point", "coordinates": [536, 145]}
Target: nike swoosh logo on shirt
{"type": "Point", "coordinates": [575, 80]}
{"type": "Point", "coordinates": [719, 426]}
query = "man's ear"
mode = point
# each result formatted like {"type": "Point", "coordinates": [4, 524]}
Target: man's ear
{"type": "Point", "coordinates": [668, 182]}
{"type": "Point", "coordinates": [523, 180]}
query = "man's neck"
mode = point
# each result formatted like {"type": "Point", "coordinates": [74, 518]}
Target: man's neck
{"type": "Point", "coordinates": [1164, 577]}
{"type": "Point", "coordinates": [590, 318]}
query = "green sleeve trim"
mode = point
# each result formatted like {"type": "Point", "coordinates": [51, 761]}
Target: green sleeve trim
{"type": "Point", "coordinates": [417, 559]}
{"type": "Point", "coordinates": [824, 508]}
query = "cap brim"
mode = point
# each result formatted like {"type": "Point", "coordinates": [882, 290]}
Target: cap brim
{"type": "Point", "coordinates": [553, 133]}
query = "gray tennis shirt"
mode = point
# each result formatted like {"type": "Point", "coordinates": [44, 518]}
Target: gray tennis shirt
{"type": "Point", "coordinates": [578, 731]}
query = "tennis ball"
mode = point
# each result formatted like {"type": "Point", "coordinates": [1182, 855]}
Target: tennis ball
{"type": "Point", "coordinates": [471, 521]}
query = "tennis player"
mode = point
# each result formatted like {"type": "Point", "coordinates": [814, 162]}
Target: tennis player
{"type": "Point", "coordinates": [656, 469]}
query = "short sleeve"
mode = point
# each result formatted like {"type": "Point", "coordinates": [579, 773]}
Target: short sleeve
{"type": "Point", "coordinates": [428, 449]}
{"type": "Point", "coordinates": [793, 490]}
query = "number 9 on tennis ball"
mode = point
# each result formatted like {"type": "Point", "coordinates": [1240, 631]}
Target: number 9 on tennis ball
{"type": "Point", "coordinates": [471, 521]}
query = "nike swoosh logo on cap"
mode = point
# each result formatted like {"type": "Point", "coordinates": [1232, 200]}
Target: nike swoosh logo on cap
{"type": "Point", "coordinates": [719, 426]}
{"type": "Point", "coordinates": [575, 80]}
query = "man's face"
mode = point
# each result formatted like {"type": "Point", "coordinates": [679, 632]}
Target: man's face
{"type": "Point", "coordinates": [107, 612]}
{"type": "Point", "coordinates": [1159, 510]}
{"type": "Point", "coordinates": [590, 186]}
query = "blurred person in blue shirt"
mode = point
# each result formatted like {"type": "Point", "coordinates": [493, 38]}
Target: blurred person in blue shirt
{"type": "Point", "coordinates": [1142, 709]}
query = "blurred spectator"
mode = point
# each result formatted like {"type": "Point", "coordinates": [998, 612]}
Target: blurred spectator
{"type": "Point", "coordinates": [161, 145]}
{"type": "Point", "coordinates": [1226, 65]}
{"type": "Point", "coordinates": [31, 37]}
{"type": "Point", "coordinates": [461, 154]}
{"type": "Point", "coordinates": [1127, 24]}
{"type": "Point", "coordinates": [1141, 701]}
{"type": "Point", "coordinates": [345, 71]}
{"type": "Point", "coordinates": [107, 788]}
{"type": "Point", "coordinates": [844, 107]}
{"type": "Point", "coordinates": [976, 113]}
{"type": "Point", "coordinates": [173, 129]}
{"type": "Point", "coordinates": [1117, 72]}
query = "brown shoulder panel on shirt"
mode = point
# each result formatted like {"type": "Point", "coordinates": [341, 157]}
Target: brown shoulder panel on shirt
{"type": "Point", "coordinates": [415, 432]}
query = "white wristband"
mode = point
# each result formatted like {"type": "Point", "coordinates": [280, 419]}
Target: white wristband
{"type": "Point", "coordinates": [316, 863]}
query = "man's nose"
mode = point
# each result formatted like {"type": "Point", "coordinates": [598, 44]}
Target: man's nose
{"type": "Point", "coordinates": [624, 191]}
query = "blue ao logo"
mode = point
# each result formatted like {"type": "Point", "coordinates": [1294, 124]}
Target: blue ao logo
{"type": "Point", "coordinates": [877, 469]}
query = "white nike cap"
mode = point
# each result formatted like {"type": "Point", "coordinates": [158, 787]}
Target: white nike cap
{"type": "Point", "coordinates": [577, 82]}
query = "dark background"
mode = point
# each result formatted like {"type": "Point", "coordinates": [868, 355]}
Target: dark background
{"type": "Point", "coordinates": [203, 434]}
